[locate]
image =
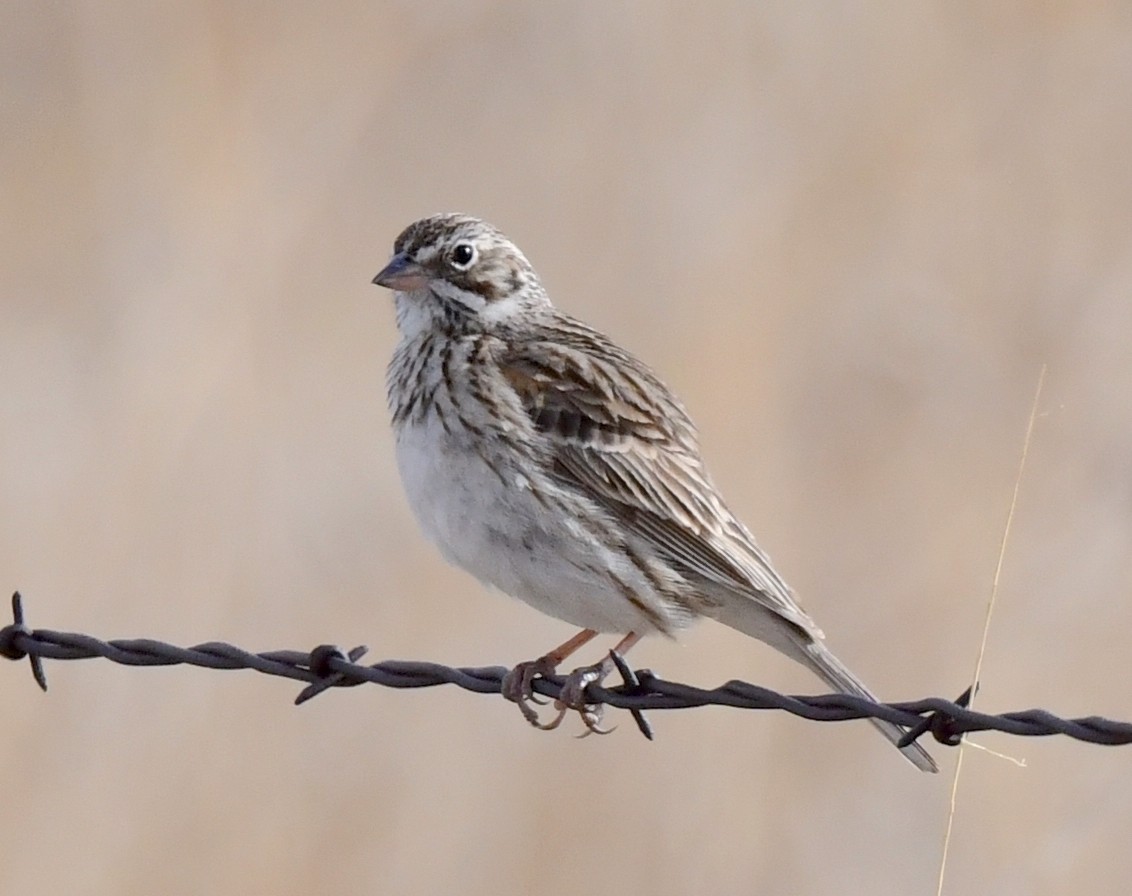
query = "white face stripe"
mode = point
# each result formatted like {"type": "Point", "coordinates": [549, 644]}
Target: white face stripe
{"type": "Point", "coordinates": [449, 292]}
{"type": "Point", "coordinates": [503, 309]}
{"type": "Point", "coordinates": [426, 254]}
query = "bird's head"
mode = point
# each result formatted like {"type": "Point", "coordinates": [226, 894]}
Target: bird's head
{"type": "Point", "coordinates": [459, 273]}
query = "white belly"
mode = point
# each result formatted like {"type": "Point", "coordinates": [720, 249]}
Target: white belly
{"type": "Point", "coordinates": [492, 526]}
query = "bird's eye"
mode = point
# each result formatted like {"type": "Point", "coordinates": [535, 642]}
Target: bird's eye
{"type": "Point", "coordinates": [463, 254]}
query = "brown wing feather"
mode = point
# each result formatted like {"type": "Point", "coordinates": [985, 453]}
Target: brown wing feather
{"type": "Point", "coordinates": [620, 436]}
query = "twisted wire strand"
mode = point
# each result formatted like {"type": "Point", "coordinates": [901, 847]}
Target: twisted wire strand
{"type": "Point", "coordinates": [329, 666]}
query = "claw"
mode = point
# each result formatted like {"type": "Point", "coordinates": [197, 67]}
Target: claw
{"type": "Point", "coordinates": [573, 697]}
{"type": "Point", "coordinates": [556, 721]}
{"type": "Point", "coordinates": [518, 687]}
{"type": "Point", "coordinates": [593, 726]}
{"type": "Point", "coordinates": [591, 718]}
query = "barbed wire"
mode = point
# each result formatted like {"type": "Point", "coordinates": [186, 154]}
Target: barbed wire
{"type": "Point", "coordinates": [329, 666]}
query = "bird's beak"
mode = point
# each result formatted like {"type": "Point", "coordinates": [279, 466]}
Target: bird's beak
{"type": "Point", "coordinates": [401, 274]}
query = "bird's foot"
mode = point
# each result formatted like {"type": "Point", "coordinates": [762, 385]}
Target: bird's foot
{"type": "Point", "coordinates": [573, 697]}
{"type": "Point", "coordinates": [518, 687]}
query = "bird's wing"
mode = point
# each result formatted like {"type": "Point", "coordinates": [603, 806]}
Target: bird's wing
{"type": "Point", "coordinates": [619, 436]}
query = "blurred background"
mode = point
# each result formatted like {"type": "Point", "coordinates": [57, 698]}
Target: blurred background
{"type": "Point", "coordinates": [849, 236]}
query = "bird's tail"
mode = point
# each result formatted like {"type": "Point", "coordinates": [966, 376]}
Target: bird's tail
{"type": "Point", "coordinates": [819, 658]}
{"type": "Point", "coordinates": [756, 621]}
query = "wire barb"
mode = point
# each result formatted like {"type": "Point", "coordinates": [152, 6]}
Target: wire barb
{"type": "Point", "coordinates": [631, 685]}
{"type": "Point", "coordinates": [324, 662]}
{"type": "Point", "coordinates": [13, 640]}
{"type": "Point", "coordinates": [329, 666]}
{"type": "Point", "coordinates": [939, 724]}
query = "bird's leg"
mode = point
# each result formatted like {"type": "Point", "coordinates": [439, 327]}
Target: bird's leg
{"type": "Point", "coordinates": [517, 684]}
{"type": "Point", "coordinates": [573, 695]}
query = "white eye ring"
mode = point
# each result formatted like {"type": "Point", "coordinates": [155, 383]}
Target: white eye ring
{"type": "Point", "coordinates": [463, 256]}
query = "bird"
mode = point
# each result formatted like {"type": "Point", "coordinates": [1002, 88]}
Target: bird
{"type": "Point", "coordinates": [551, 464]}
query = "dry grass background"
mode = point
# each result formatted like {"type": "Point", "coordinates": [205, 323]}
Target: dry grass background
{"type": "Point", "coordinates": [849, 235]}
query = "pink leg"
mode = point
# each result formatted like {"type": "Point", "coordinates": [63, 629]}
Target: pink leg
{"type": "Point", "coordinates": [573, 695]}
